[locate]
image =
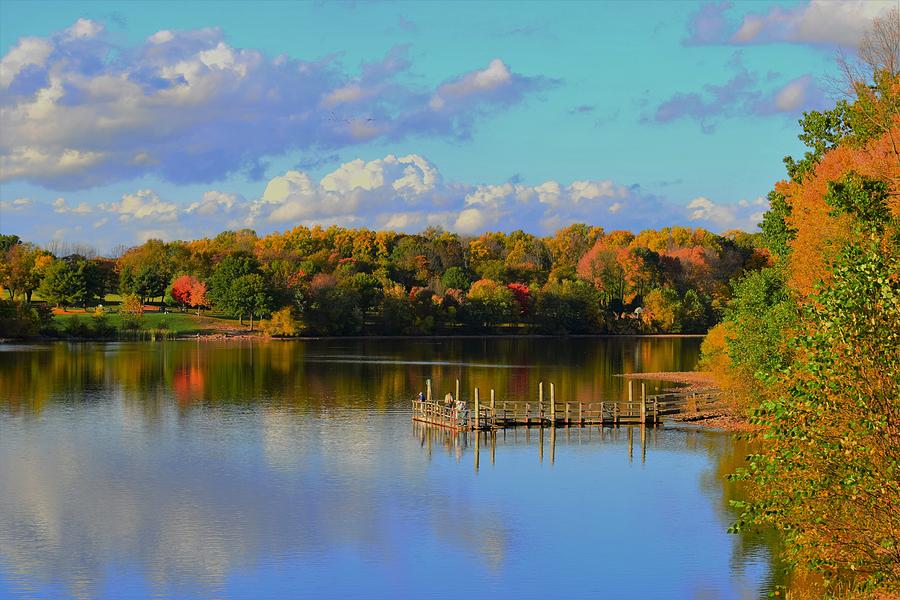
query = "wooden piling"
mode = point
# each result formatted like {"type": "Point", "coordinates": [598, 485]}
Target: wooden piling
{"type": "Point", "coordinates": [552, 404]}
{"type": "Point", "coordinates": [428, 390]}
{"type": "Point", "coordinates": [493, 411]}
{"type": "Point", "coordinates": [477, 406]}
{"type": "Point", "coordinates": [456, 397]}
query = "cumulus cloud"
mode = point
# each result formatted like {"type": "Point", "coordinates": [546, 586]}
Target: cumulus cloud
{"type": "Point", "coordinates": [16, 204]}
{"type": "Point", "coordinates": [744, 214]}
{"type": "Point", "coordinates": [742, 95]}
{"type": "Point", "coordinates": [79, 110]}
{"type": "Point", "coordinates": [143, 204]}
{"type": "Point", "coordinates": [60, 206]}
{"type": "Point", "coordinates": [816, 22]}
{"type": "Point", "coordinates": [408, 193]}
{"type": "Point", "coordinates": [402, 193]}
{"type": "Point", "coordinates": [214, 202]}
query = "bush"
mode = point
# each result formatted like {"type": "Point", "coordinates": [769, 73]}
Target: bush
{"type": "Point", "coordinates": [282, 323]}
{"type": "Point", "coordinates": [23, 320]}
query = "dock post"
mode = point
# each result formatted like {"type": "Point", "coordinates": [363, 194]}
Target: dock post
{"type": "Point", "coordinates": [493, 412]}
{"type": "Point", "coordinates": [643, 399]}
{"type": "Point", "coordinates": [456, 397]}
{"type": "Point", "coordinates": [630, 394]}
{"type": "Point", "coordinates": [643, 409]}
{"type": "Point", "coordinates": [477, 406]}
{"type": "Point", "coordinates": [540, 397]}
{"type": "Point", "coordinates": [428, 390]}
{"type": "Point", "coordinates": [552, 405]}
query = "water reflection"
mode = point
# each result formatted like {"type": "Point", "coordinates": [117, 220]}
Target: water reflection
{"type": "Point", "coordinates": [257, 470]}
{"type": "Point", "coordinates": [459, 443]}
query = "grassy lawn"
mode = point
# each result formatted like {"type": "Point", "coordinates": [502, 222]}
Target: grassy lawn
{"type": "Point", "coordinates": [177, 322]}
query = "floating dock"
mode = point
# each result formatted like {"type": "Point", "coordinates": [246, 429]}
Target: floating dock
{"type": "Point", "coordinates": [492, 413]}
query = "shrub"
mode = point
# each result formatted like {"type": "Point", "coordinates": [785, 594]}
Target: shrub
{"type": "Point", "coordinates": [282, 323]}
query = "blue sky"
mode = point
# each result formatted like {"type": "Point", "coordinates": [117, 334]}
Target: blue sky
{"type": "Point", "coordinates": [122, 121]}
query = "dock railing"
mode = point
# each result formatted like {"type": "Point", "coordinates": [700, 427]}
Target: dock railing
{"type": "Point", "coordinates": [492, 413]}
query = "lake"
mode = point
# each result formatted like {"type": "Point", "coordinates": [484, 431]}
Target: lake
{"type": "Point", "coordinates": [254, 469]}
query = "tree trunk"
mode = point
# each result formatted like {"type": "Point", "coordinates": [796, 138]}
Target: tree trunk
{"type": "Point", "coordinates": [28, 295]}
{"type": "Point", "coordinates": [251, 321]}
{"type": "Point", "coordinates": [241, 319]}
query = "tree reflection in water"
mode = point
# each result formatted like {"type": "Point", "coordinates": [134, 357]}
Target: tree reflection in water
{"type": "Point", "coordinates": [185, 468]}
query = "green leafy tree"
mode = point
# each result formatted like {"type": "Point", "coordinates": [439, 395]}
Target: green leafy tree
{"type": "Point", "coordinates": [864, 198]}
{"type": "Point", "coordinates": [250, 296]}
{"type": "Point", "coordinates": [328, 309]}
{"type": "Point", "coordinates": [567, 307]}
{"type": "Point", "coordinates": [455, 278]}
{"type": "Point", "coordinates": [72, 281]}
{"type": "Point", "coordinates": [776, 233]}
{"type": "Point", "coordinates": [222, 292]}
{"type": "Point", "coordinates": [146, 281]}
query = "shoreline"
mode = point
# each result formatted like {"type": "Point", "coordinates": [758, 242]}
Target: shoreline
{"type": "Point", "coordinates": [698, 381]}
{"type": "Point", "coordinates": [243, 335]}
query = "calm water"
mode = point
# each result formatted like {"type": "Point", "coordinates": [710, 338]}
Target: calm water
{"type": "Point", "coordinates": [292, 469]}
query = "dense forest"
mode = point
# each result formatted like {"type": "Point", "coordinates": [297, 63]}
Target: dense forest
{"type": "Point", "coordinates": [810, 345]}
{"type": "Point", "coordinates": [338, 281]}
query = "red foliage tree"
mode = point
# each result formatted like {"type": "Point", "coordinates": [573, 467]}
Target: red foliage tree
{"type": "Point", "coordinates": [198, 295]}
{"type": "Point", "coordinates": [522, 296]}
{"type": "Point", "coordinates": [181, 290]}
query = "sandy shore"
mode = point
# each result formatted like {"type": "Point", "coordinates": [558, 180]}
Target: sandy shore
{"type": "Point", "coordinates": [688, 381]}
{"type": "Point", "coordinates": [698, 381]}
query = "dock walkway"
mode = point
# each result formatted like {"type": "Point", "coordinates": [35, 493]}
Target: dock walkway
{"type": "Point", "coordinates": [492, 413]}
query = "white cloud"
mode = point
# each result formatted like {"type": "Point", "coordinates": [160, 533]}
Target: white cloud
{"type": "Point", "coordinates": [60, 206]}
{"type": "Point", "coordinates": [214, 202]}
{"type": "Point", "coordinates": [822, 22]}
{"type": "Point", "coordinates": [401, 193]}
{"type": "Point", "coordinates": [408, 193]}
{"type": "Point", "coordinates": [795, 94]}
{"type": "Point", "coordinates": [17, 204]}
{"type": "Point", "coordinates": [143, 204]}
{"type": "Point", "coordinates": [84, 29]}
{"type": "Point", "coordinates": [744, 214]}
{"type": "Point", "coordinates": [488, 80]}
{"type": "Point", "coordinates": [179, 107]}
{"type": "Point", "coordinates": [29, 51]}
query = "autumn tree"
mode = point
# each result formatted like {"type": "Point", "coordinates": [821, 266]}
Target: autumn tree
{"type": "Point", "coordinates": [488, 304]}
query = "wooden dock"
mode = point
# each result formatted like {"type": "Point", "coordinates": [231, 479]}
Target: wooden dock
{"type": "Point", "coordinates": [546, 411]}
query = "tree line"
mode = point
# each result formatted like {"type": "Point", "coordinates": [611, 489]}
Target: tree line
{"type": "Point", "coordinates": [339, 281]}
{"type": "Point", "coordinates": [809, 347]}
